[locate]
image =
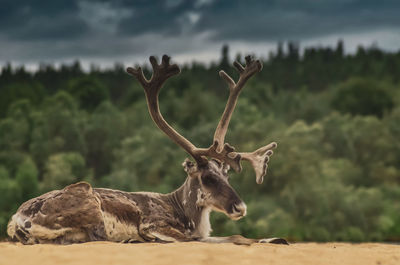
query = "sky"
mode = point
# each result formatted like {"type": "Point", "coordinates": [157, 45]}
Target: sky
{"type": "Point", "coordinates": [128, 31]}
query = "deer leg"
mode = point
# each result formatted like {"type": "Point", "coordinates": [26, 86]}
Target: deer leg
{"type": "Point", "coordinates": [241, 240]}
{"type": "Point", "coordinates": [162, 232]}
{"type": "Point", "coordinates": [235, 239]}
{"type": "Point", "coordinates": [274, 240]}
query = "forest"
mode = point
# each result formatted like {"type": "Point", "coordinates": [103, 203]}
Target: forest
{"type": "Point", "coordinates": [335, 175]}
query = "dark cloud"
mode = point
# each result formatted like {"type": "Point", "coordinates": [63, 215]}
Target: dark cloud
{"type": "Point", "coordinates": [301, 19]}
{"type": "Point", "coordinates": [40, 30]}
{"type": "Point", "coordinates": [156, 17]}
{"type": "Point", "coordinates": [36, 20]}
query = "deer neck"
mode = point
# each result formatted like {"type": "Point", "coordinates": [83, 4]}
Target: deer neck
{"type": "Point", "coordinates": [187, 205]}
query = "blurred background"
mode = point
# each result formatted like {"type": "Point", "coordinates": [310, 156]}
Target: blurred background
{"type": "Point", "coordinates": [329, 94]}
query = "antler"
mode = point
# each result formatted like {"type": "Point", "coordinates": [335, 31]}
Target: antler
{"type": "Point", "coordinates": [260, 157]}
{"type": "Point", "coordinates": [252, 67]}
{"type": "Point", "coordinates": [152, 88]}
{"type": "Point", "coordinates": [259, 160]}
{"type": "Point", "coordinates": [219, 150]}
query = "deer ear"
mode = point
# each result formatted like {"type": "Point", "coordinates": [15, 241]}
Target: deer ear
{"type": "Point", "coordinates": [225, 168]}
{"type": "Point", "coordinates": [189, 166]}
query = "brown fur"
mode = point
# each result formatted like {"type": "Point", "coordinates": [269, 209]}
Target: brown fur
{"type": "Point", "coordinates": [74, 206]}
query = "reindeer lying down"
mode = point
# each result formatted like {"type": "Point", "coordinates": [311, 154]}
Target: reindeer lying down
{"type": "Point", "coordinates": [79, 213]}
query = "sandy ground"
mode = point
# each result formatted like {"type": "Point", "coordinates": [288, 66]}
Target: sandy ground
{"type": "Point", "coordinates": [200, 253]}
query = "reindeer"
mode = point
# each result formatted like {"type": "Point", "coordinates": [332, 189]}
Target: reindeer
{"type": "Point", "coordinates": [80, 213]}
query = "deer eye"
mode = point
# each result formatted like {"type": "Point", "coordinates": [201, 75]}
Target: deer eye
{"type": "Point", "coordinates": [209, 180]}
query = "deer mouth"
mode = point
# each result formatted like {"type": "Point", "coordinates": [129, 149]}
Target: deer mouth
{"type": "Point", "coordinates": [238, 211]}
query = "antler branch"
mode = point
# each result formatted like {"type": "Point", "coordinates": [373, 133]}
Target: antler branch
{"type": "Point", "coordinates": [152, 88]}
{"type": "Point", "coordinates": [219, 148]}
{"type": "Point", "coordinates": [252, 67]}
{"type": "Point", "coordinates": [259, 160]}
{"type": "Point", "coordinates": [226, 154]}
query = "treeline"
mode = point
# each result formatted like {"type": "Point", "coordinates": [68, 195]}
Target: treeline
{"type": "Point", "coordinates": [336, 118]}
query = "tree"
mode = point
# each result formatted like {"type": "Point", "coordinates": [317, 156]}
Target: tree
{"type": "Point", "coordinates": [103, 133]}
{"type": "Point", "coordinates": [10, 196]}
{"type": "Point", "coordinates": [15, 130]}
{"type": "Point", "coordinates": [27, 179]}
{"type": "Point", "coordinates": [88, 91]}
{"type": "Point", "coordinates": [224, 62]}
{"type": "Point", "coordinates": [362, 97]}
{"type": "Point", "coordinates": [57, 128]}
{"type": "Point", "coordinates": [64, 169]}
{"type": "Point", "coordinates": [32, 91]}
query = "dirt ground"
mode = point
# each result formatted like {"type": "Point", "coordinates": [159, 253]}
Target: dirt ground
{"type": "Point", "coordinates": [200, 253]}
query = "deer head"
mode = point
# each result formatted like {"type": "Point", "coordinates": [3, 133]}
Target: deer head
{"type": "Point", "coordinates": [212, 163]}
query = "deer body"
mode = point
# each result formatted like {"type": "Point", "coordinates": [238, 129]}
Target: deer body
{"type": "Point", "coordinates": [79, 213]}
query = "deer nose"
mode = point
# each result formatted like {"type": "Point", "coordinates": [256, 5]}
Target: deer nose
{"type": "Point", "coordinates": [239, 209]}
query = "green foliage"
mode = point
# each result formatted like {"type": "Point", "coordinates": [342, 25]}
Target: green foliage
{"type": "Point", "coordinates": [88, 91]}
{"type": "Point", "coordinates": [27, 180]}
{"type": "Point", "coordinates": [362, 97]}
{"type": "Point", "coordinates": [335, 174]}
{"type": "Point", "coordinates": [15, 129]}
{"type": "Point", "coordinates": [63, 169]}
{"type": "Point", "coordinates": [57, 128]}
{"type": "Point", "coordinates": [12, 92]}
{"type": "Point", "coordinates": [9, 200]}
{"type": "Point", "coordinates": [103, 133]}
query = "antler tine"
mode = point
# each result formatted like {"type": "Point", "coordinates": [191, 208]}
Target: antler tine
{"type": "Point", "coordinates": [227, 78]}
{"type": "Point", "coordinates": [259, 160]}
{"type": "Point", "coordinates": [154, 64]}
{"type": "Point", "coordinates": [252, 67]}
{"type": "Point", "coordinates": [138, 73]}
{"type": "Point", "coordinates": [165, 59]}
{"type": "Point", "coordinates": [238, 66]}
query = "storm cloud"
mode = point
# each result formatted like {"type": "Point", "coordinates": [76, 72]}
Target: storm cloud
{"type": "Point", "coordinates": [107, 31]}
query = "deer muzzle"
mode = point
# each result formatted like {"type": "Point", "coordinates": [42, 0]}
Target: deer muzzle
{"type": "Point", "coordinates": [238, 211]}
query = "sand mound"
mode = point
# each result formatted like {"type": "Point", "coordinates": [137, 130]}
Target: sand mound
{"type": "Point", "coordinates": [200, 253]}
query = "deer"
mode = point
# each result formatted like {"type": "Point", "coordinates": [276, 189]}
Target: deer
{"type": "Point", "coordinates": [79, 213]}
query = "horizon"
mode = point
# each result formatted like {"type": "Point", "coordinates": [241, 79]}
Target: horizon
{"type": "Point", "coordinates": [88, 66]}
